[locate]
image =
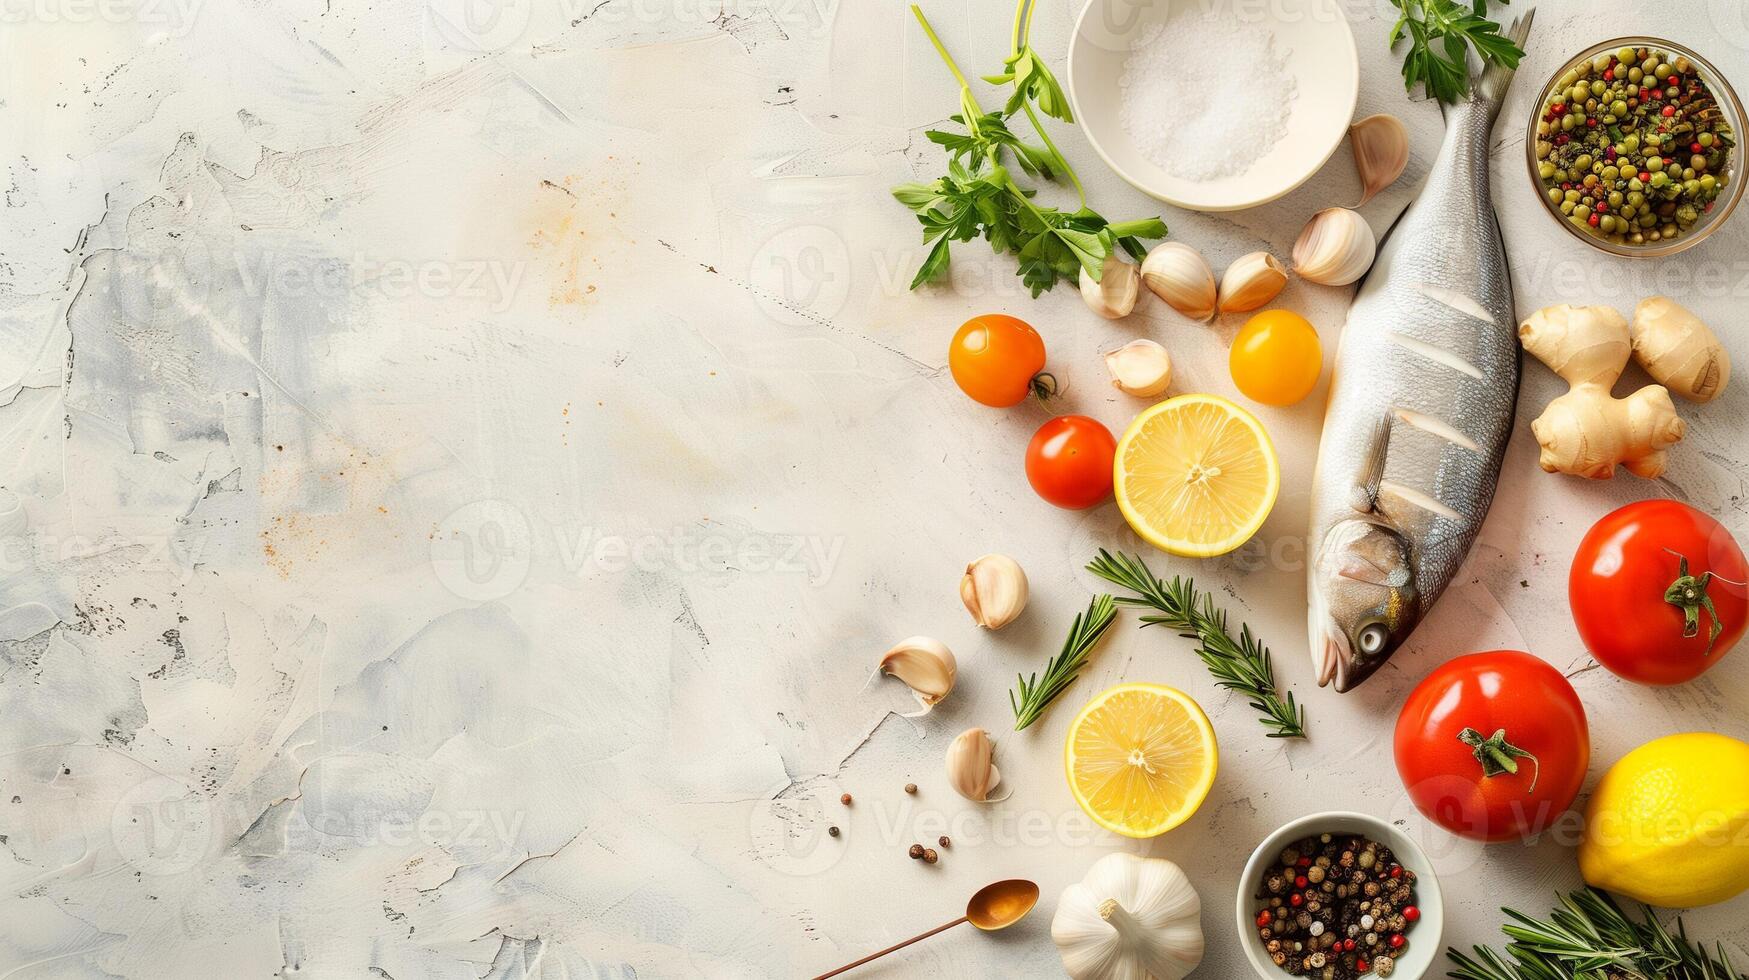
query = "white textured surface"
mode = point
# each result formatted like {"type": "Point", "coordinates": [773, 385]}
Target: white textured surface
{"type": "Point", "coordinates": [463, 497]}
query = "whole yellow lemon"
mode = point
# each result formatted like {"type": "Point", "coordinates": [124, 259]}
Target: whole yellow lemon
{"type": "Point", "coordinates": [1669, 824]}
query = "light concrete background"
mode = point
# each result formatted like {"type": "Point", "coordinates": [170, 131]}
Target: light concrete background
{"type": "Point", "coordinates": [463, 461]}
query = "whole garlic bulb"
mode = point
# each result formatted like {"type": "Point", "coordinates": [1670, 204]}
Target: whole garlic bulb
{"type": "Point", "coordinates": [1131, 917]}
{"type": "Point", "coordinates": [1336, 247]}
{"type": "Point", "coordinates": [994, 591]}
{"type": "Point", "coordinates": [1114, 295]}
{"type": "Point", "coordinates": [971, 769]}
{"type": "Point", "coordinates": [1179, 274]}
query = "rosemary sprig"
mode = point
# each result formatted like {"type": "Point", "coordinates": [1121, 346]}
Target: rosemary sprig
{"type": "Point", "coordinates": [1241, 665]}
{"type": "Point", "coordinates": [1036, 695]}
{"type": "Point", "coordinates": [1588, 937]}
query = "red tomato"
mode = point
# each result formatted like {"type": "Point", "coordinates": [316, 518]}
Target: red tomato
{"type": "Point", "coordinates": [1069, 461]}
{"type": "Point", "coordinates": [998, 360]}
{"type": "Point", "coordinates": [1643, 614]}
{"type": "Point", "coordinates": [1471, 722]}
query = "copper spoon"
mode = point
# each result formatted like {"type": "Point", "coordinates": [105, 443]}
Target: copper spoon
{"type": "Point", "coordinates": [995, 906]}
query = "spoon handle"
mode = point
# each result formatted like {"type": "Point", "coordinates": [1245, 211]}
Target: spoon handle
{"type": "Point", "coordinates": [875, 956]}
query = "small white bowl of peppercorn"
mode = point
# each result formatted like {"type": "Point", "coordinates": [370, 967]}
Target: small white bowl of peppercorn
{"type": "Point", "coordinates": [1633, 147]}
{"type": "Point", "coordinates": [1339, 896]}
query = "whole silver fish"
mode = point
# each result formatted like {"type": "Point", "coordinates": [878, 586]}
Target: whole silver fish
{"type": "Point", "coordinates": [1421, 406]}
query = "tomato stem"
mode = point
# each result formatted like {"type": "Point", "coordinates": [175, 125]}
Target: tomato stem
{"type": "Point", "coordinates": [1688, 593]}
{"type": "Point", "coordinates": [1045, 386]}
{"type": "Point", "coordinates": [1498, 755]}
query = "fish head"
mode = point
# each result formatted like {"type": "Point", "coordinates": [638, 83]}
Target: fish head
{"type": "Point", "coordinates": [1363, 600]}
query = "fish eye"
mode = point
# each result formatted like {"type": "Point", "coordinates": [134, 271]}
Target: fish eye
{"type": "Point", "coordinates": [1372, 638]}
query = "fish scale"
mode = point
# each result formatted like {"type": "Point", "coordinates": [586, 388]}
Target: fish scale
{"type": "Point", "coordinates": [1384, 545]}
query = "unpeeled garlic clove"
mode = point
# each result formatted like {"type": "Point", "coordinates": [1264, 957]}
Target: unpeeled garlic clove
{"type": "Point", "coordinates": [994, 591]}
{"type": "Point", "coordinates": [971, 769]}
{"type": "Point", "coordinates": [1381, 151]}
{"type": "Point", "coordinates": [1179, 274]}
{"type": "Point", "coordinates": [1140, 367]}
{"type": "Point", "coordinates": [1251, 281]}
{"type": "Point", "coordinates": [926, 666]}
{"type": "Point", "coordinates": [1114, 295]}
{"type": "Point", "coordinates": [1336, 247]}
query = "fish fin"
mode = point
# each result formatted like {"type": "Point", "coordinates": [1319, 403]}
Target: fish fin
{"type": "Point", "coordinates": [1497, 77]}
{"type": "Point", "coordinates": [1372, 467]}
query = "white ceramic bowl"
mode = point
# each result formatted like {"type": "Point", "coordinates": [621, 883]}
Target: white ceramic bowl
{"type": "Point", "coordinates": [1424, 946]}
{"type": "Point", "coordinates": [1315, 41]}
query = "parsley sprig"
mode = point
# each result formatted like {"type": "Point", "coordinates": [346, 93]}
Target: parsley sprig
{"type": "Point", "coordinates": [979, 197]}
{"type": "Point", "coordinates": [1441, 32]}
{"type": "Point", "coordinates": [1241, 664]}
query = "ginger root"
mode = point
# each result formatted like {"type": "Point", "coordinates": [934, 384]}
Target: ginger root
{"type": "Point", "coordinates": [1588, 431]}
{"type": "Point", "coordinates": [1679, 351]}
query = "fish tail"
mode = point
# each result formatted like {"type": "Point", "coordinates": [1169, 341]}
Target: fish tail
{"type": "Point", "coordinates": [1497, 78]}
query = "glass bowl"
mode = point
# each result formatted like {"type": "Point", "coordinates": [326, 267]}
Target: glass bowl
{"type": "Point", "coordinates": [1723, 205]}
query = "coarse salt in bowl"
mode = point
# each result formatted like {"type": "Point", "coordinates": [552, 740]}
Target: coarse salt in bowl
{"type": "Point", "coordinates": [1214, 106]}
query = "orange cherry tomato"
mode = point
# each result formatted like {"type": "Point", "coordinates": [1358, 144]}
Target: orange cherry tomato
{"type": "Point", "coordinates": [1069, 462]}
{"type": "Point", "coordinates": [998, 360]}
{"type": "Point", "coordinates": [1276, 358]}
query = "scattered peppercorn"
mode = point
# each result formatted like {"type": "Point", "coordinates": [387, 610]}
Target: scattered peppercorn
{"type": "Point", "coordinates": [1618, 180]}
{"type": "Point", "coordinates": [916, 851]}
{"type": "Point", "coordinates": [845, 799]}
{"type": "Point", "coordinates": [1335, 908]}
{"type": "Point", "coordinates": [832, 831]}
{"type": "Point", "coordinates": [943, 841]}
{"type": "Point", "coordinates": [929, 855]}
{"type": "Point", "coordinates": [911, 788]}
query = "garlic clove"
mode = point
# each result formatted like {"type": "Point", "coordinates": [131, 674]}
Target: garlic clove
{"type": "Point", "coordinates": [994, 591]}
{"type": "Point", "coordinates": [1179, 274]}
{"type": "Point", "coordinates": [1251, 281]}
{"type": "Point", "coordinates": [1140, 367]}
{"type": "Point", "coordinates": [1381, 151]}
{"type": "Point", "coordinates": [971, 770]}
{"type": "Point", "coordinates": [1114, 295]}
{"type": "Point", "coordinates": [1336, 248]}
{"type": "Point", "coordinates": [926, 666]}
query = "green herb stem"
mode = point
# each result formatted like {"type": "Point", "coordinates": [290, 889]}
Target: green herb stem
{"type": "Point", "coordinates": [1589, 937]}
{"type": "Point", "coordinates": [1241, 664]}
{"type": "Point", "coordinates": [1034, 695]}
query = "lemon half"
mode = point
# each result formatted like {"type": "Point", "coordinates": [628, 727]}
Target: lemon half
{"type": "Point", "coordinates": [1141, 758]}
{"type": "Point", "coordinates": [1196, 475]}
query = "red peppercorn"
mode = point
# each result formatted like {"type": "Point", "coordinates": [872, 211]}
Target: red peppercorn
{"type": "Point", "coordinates": [1645, 175]}
{"type": "Point", "coordinates": [1669, 110]}
{"type": "Point", "coordinates": [1304, 862]}
{"type": "Point", "coordinates": [1296, 900]}
{"type": "Point", "coordinates": [1362, 965]}
{"type": "Point", "coordinates": [1301, 882]}
{"type": "Point", "coordinates": [1593, 220]}
{"type": "Point", "coordinates": [1263, 919]}
{"type": "Point", "coordinates": [1591, 122]}
{"type": "Point", "coordinates": [1609, 74]}
{"type": "Point", "coordinates": [1412, 914]}
{"type": "Point", "coordinates": [1694, 147]}
{"type": "Point", "coordinates": [1397, 940]}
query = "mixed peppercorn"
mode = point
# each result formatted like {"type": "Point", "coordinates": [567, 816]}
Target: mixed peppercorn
{"type": "Point", "coordinates": [1336, 907]}
{"type": "Point", "coordinates": [1633, 147]}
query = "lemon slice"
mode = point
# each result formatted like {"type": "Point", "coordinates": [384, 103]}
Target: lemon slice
{"type": "Point", "coordinates": [1141, 758]}
{"type": "Point", "coordinates": [1196, 475]}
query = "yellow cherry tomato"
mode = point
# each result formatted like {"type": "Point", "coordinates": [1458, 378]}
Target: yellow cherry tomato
{"type": "Point", "coordinates": [1276, 359]}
